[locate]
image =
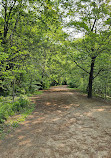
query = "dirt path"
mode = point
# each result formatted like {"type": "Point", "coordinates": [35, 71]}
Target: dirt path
{"type": "Point", "coordinates": [65, 124]}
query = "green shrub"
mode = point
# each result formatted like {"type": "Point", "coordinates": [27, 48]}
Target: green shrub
{"type": "Point", "coordinates": [20, 104]}
{"type": "Point", "coordinates": [72, 85]}
{"type": "Point", "coordinates": [23, 100]}
{"type": "Point", "coordinates": [10, 108]}
{"type": "Point", "coordinates": [2, 117]}
{"type": "Point", "coordinates": [16, 106]}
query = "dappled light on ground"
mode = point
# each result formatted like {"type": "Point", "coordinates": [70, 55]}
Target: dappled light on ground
{"type": "Point", "coordinates": [65, 124]}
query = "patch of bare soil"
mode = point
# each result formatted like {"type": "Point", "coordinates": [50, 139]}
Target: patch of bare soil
{"type": "Point", "coordinates": [65, 124]}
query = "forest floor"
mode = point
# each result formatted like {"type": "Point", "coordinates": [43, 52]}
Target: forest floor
{"type": "Point", "coordinates": [65, 124]}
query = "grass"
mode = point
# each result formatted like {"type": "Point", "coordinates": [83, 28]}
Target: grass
{"type": "Point", "coordinates": [74, 88]}
{"type": "Point", "coordinates": [13, 122]}
{"type": "Point", "coordinates": [35, 93]}
{"type": "Point", "coordinates": [11, 114]}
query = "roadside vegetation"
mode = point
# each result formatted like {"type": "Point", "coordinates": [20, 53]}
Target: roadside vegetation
{"type": "Point", "coordinates": [12, 113]}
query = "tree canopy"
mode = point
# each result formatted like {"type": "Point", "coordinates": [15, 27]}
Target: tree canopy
{"type": "Point", "coordinates": [38, 49]}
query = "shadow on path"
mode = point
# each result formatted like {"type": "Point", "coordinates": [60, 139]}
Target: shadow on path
{"type": "Point", "coordinates": [65, 124]}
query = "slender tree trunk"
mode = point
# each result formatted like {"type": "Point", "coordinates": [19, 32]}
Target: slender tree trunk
{"type": "Point", "coordinates": [91, 78]}
{"type": "Point", "coordinates": [5, 23]}
{"type": "Point", "coordinates": [13, 90]}
{"type": "Point", "coordinates": [13, 87]}
{"type": "Point", "coordinates": [105, 93]}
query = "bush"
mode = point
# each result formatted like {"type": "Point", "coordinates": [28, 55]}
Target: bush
{"type": "Point", "coordinates": [20, 104]}
{"type": "Point", "coordinates": [5, 111]}
{"type": "Point", "coordinates": [72, 85]}
{"type": "Point", "coordinates": [10, 108]}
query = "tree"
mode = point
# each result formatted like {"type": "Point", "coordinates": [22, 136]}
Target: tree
{"type": "Point", "coordinates": [32, 29]}
{"type": "Point", "coordinates": [94, 20]}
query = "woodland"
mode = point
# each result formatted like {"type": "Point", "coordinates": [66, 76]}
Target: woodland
{"type": "Point", "coordinates": [46, 43]}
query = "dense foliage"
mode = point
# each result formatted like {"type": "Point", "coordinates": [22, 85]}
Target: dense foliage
{"type": "Point", "coordinates": [91, 53]}
{"type": "Point", "coordinates": [7, 108]}
{"type": "Point", "coordinates": [38, 49]}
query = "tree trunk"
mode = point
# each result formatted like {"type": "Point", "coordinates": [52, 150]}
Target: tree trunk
{"type": "Point", "coordinates": [13, 94]}
{"type": "Point", "coordinates": [91, 78]}
{"type": "Point", "coordinates": [13, 87]}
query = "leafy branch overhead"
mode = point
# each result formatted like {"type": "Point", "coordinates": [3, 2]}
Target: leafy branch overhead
{"type": "Point", "coordinates": [47, 42]}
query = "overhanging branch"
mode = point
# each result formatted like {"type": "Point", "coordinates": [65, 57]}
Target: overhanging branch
{"type": "Point", "coordinates": [98, 73]}
{"type": "Point", "coordinates": [93, 24]}
{"type": "Point", "coordinates": [80, 67]}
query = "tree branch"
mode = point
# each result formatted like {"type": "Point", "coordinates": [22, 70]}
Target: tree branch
{"type": "Point", "coordinates": [98, 73]}
{"type": "Point", "coordinates": [103, 41]}
{"type": "Point", "coordinates": [80, 67]}
{"type": "Point", "coordinates": [93, 24]}
{"type": "Point", "coordinates": [11, 10]}
{"type": "Point", "coordinates": [14, 29]}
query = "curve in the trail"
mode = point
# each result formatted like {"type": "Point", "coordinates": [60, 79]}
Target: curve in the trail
{"type": "Point", "coordinates": [65, 124]}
